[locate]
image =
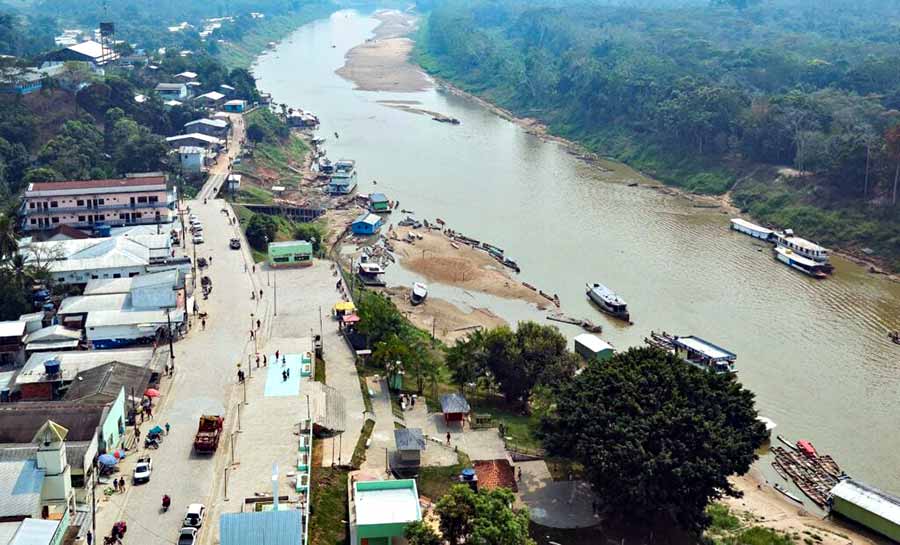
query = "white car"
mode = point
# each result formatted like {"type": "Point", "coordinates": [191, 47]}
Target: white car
{"type": "Point", "coordinates": [198, 238]}
{"type": "Point", "coordinates": [142, 470]}
{"type": "Point", "coordinates": [194, 516]}
{"type": "Point", "coordinates": [187, 536]}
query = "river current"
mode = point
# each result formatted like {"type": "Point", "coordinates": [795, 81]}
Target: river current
{"type": "Point", "coordinates": [816, 353]}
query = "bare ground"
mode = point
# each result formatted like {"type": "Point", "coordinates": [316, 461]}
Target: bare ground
{"type": "Point", "coordinates": [382, 63]}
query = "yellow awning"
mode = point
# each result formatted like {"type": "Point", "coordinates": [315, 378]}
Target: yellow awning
{"type": "Point", "coordinates": [345, 306]}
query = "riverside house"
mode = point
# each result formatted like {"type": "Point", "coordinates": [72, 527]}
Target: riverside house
{"type": "Point", "coordinates": [86, 203]}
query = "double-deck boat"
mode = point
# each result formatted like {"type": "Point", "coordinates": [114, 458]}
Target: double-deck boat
{"type": "Point", "coordinates": [608, 301]}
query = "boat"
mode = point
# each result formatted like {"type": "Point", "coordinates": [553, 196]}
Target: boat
{"type": "Point", "coordinates": [804, 248]}
{"type": "Point", "coordinates": [787, 494]}
{"type": "Point", "coordinates": [803, 264]}
{"type": "Point", "coordinates": [418, 294]}
{"type": "Point", "coordinates": [755, 231]}
{"type": "Point", "coordinates": [608, 301]}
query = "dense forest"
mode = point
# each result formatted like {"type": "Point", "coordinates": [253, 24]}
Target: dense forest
{"type": "Point", "coordinates": [792, 105]}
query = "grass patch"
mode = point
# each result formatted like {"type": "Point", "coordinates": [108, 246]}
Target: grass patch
{"type": "Point", "coordinates": [359, 453]}
{"type": "Point", "coordinates": [329, 502]}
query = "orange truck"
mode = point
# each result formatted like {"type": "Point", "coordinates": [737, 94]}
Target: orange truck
{"type": "Point", "coordinates": [208, 432]}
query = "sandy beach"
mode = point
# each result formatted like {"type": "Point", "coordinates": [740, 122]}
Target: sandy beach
{"type": "Point", "coordinates": [381, 63]}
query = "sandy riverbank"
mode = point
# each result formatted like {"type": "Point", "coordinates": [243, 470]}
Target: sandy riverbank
{"type": "Point", "coordinates": [382, 63]}
{"type": "Point", "coordinates": [765, 506]}
{"type": "Point", "coordinates": [437, 259]}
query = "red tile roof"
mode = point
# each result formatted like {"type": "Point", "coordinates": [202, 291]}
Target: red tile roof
{"type": "Point", "coordinates": [496, 474]}
{"type": "Point", "coordinates": [96, 184]}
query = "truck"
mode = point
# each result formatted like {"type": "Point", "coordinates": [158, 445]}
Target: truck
{"type": "Point", "coordinates": [208, 432]}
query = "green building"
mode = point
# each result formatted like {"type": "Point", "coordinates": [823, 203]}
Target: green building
{"type": "Point", "coordinates": [291, 253]}
{"type": "Point", "coordinates": [382, 510]}
{"type": "Point", "coordinates": [874, 509]}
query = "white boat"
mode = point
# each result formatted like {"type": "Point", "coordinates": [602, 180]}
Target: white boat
{"type": "Point", "coordinates": [748, 228]}
{"type": "Point", "coordinates": [418, 294]}
{"type": "Point", "coordinates": [802, 247]}
{"type": "Point", "coordinates": [803, 264]}
{"type": "Point", "coordinates": [608, 301]}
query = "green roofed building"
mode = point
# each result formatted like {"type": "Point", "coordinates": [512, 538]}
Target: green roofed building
{"type": "Point", "coordinates": [382, 509]}
{"type": "Point", "coordinates": [291, 253]}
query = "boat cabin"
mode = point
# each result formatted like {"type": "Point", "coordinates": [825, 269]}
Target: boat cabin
{"type": "Point", "coordinates": [704, 354]}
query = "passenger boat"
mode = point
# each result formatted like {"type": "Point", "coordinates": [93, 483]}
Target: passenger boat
{"type": "Point", "coordinates": [755, 231]}
{"type": "Point", "coordinates": [803, 264]}
{"type": "Point", "coordinates": [804, 248]}
{"type": "Point", "coordinates": [418, 294]}
{"type": "Point", "coordinates": [608, 301]}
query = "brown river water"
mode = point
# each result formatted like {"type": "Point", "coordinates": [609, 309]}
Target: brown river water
{"type": "Point", "coordinates": [816, 353]}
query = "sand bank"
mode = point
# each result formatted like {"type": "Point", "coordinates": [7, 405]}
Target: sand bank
{"type": "Point", "coordinates": [382, 63]}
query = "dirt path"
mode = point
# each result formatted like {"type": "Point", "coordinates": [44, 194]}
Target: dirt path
{"type": "Point", "coordinates": [382, 63]}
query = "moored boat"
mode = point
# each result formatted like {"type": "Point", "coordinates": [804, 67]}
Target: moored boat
{"type": "Point", "coordinates": [418, 294]}
{"type": "Point", "coordinates": [748, 228]}
{"type": "Point", "coordinates": [608, 301]}
{"type": "Point", "coordinates": [798, 262]}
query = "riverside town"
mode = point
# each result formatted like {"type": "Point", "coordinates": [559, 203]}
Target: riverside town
{"type": "Point", "coordinates": [449, 272]}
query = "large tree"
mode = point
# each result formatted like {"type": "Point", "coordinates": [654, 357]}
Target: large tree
{"type": "Point", "coordinates": [658, 438]}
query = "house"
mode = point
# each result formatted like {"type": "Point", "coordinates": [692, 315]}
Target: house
{"type": "Point", "coordinates": [47, 375]}
{"type": "Point", "coordinates": [593, 348]}
{"type": "Point", "coordinates": [52, 338]}
{"type": "Point", "coordinates": [196, 139]}
{"type": "Point", "coordinates": [275, 527]}
{"type": "Point", "coordinates": [410, 443]}
{"type": "Point", "coordinates": [88, 51]}
{"type": "Point", "coordinates": [211, 99]}
{"type": "Point", "coordinates": [455, 408]}
{"type": "Point", "coordinates": [172, 91]}
{"type": "Point", "coordinates": [379, 203]}
{"type": "Point", "coordinates": [366, 224]}
{"type": "Point", "coordinates": [235, 106]}
{"type": "Point", "coordinates": [291, 253]}
{"type": "Point", "coordinates": [12, 342]}
{"type": "Point", "coordinates": [866, 505]}
{"type": "Point", "coordinates": [86, 203]}
{"type": "Point", "coordinates": [186, 76]}
{"type": "Point", "coordinates": [381, 510]}
{"type": "Point", "coordinates": [192, 159]}
{"type": "Point", "coordinates": [217, 128]}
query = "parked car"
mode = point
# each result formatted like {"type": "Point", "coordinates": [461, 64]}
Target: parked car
{"type": "Point", "coordinates": [142, 470]}
{"type": "Point", "coordinates": [198, 238]}
{"type": "Point", "coordinates": [235, 244]}
{"type": "Point", "coordinates": [187, 536]}
{"type": "Point", "coordinates": [194, 516]}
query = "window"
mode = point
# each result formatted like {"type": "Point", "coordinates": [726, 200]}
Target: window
{"type": "Point", "coordinates": [54, 204]}
{"type": "Point", "coordinates": [79, 202]}
{"type": "Point", "coordinates": [81, 218]}
{"type": "Point", "coordinates": [142, 199]}
{"type": "Point", "coordinates": [54, 220]}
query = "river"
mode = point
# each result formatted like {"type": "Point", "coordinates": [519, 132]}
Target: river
{"type": "Point", "coordinates": [816, 353]}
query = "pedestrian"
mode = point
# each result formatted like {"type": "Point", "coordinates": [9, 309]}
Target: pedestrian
{"type": "Point", "coordinates": [448, 437]}
{"type": "Point", "coordinates": [167, 428]}
{"type": "Point", "coordinates": [258, 324]}
{"type": "Point", "coordinates": [265, 361]}
{"type": "Point", "coordinates": [203, 323]}
{"type": "Point", "coordinates": [257, 361]}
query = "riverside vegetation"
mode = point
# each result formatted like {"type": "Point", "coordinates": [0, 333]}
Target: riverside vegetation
{"type": "Point", "coordinates": [789, 106]}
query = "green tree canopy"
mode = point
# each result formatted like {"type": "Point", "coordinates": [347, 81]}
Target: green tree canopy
{"type": "Point", "coordinates": [658, 438]}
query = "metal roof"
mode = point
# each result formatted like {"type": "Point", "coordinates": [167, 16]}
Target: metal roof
{"type": "Point", "coordinates": [869, 498]}
{"type": "Point", "coordinates": [12, 328]}
{"type": "Point", "coordinates": [35, 531]}
{"type": "Point", "coordinates": [454, 403]}
{"type": "Point", "coordinates": [20, 488]}
{"type": "Point", "coordinates": [261, 528]}
{"type": "Point", "coordinates": [706, 348]}
{"type": "Point", "coordinates": [409, 439]}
